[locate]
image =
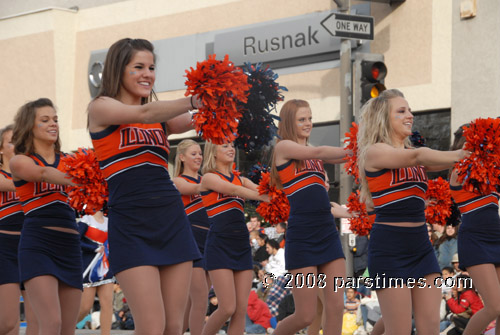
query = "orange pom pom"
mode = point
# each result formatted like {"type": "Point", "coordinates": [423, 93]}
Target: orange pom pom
{"type": "Point", "coordinates": [222, 88]}
{"type": "Point", "coordinates": [480, 172]}
{"type": "Point", "coordinates": [278, 209]}
{"type": "Point", "coordinates": [439, 209]}
{"type": "Point", "coordinates": [351, 166]}
{"type": "Point", "coordinates": [361, 224]}
{"type": "Point", "coordinates": [91, 192]}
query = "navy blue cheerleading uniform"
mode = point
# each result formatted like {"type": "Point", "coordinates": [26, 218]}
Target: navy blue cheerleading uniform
{"type": "Point", "coordinates": [311, 237]}
{"type": "Point", "coordinates": [228, 241]}
{"type": "Point", "coordinates": [197, 215]}
{"type": "Point", "coordinates": [479, 232]}
{"type": "Point", "coordinates": [95, 268]}
{"type": "Point", "coordinates": [394, 251]}
{"type": "Point", "coordinates": [147, 222]}
{"type": "Point", "coordinates": [44, 251]}
{"type": "Point", "coordinates": [11, 219]}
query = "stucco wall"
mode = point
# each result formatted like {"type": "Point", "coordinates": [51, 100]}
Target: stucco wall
{"type": "Point", "coordinates": [47, 53]}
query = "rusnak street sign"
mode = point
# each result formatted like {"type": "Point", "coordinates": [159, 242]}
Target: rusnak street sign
{"type": "Point", "coordinates": [349, 26]}
{"type": "Point", "coordinates": [289, 39]}
{"type": "Point", "coordinates": [282, 43]}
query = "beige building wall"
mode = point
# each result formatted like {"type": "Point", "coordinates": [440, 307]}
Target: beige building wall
{"type": "Point", "coordinates": [476, 63]}
{"type": "Point", "coordinates": [47, 53]}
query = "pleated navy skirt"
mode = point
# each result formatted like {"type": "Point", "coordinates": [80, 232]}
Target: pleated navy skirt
{"type": "Point", "coordinates": [479, 238]}
{"type": "Point", "coordinates": [400, 252]}
{"type": "Point", "coordinates": [44, 251]}
{"type": "Point", "coordinates": [146, 234]}
{"type": "Point", "coordinates": [228, 250]}
{"type": "Point", "coordinates": [311, 240]}
{"type": "Point", "coordinates": [9, 272]}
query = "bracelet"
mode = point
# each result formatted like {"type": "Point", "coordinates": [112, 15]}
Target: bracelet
{"type": "Point", "coordinates": [192, 103]}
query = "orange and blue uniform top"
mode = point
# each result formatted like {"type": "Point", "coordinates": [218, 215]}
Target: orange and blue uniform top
{"type": "Point", "coordinates": [398, 194]}
{"type": "Point", "coordinates": [305, 187]}
{"type": "Point", "coordinates": [225, 212]}
{"type": "Point", "coordinates": [45, 204]}
{"type": "Point", "coordinates": [11, 211]}
{"type": "Point", "coordinates": [469, 202]}
{"type": "Point", "coordinates": [130, 156]}
{"type": "Point", "coordinates": [193, 205]}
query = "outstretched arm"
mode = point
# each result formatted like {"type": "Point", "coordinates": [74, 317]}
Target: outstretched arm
{"type": "Point", "coordinates": [105, 111]}
{"type": "Point", "coordinates": [24, 168]}
{"type": "Point", "coordinates": [287, 150]}
{"type": "Point", "coordinates": [383, 156]}
{"type": "Point", "coordinates": [186, 188]}
{"type": "Point", "coordinates": [213, 182]}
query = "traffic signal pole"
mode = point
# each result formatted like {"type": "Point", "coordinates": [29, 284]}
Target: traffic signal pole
{"type": "Point", "coordinates": [346, 118]}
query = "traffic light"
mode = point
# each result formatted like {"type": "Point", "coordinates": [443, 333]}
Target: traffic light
{"type": "Point", "coordinates": [369, 74]}
{"type": "Point", "coordinates": [372, 79]}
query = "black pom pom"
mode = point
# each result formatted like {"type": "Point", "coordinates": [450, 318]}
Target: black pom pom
{"type": "Point", "coordinates": [256, 128]}
{"type": "Point", "coordinates": [455, 217]}
{"type": "Point", "coordinates": [417, 140]}
{"type": "Point", "coordinates": [255, 174]}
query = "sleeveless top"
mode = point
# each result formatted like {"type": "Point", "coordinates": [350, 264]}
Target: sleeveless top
{"type": "Point", "coordinates": [11, 211]}
{"type": "Point", "coordinates": [225, 212]}
{"type": "Point", "coordinates": [398, 194]}
{"type": "Point", "coordinates": [193, 205]}
{"type": "Point", "coordinates": [46, 204]}
{"type": "Point", "coordinates": [305, 187]}
{"type": "Point", "coordinates": [134, 161]}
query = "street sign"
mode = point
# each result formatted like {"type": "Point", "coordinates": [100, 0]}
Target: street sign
{"type": "Point", "coordinates": [358, 27]}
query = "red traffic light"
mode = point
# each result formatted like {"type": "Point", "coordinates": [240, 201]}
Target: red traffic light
{"type": "Point", "coordinates": [373, 71]}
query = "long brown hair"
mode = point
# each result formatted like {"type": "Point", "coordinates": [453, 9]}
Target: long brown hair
{"type": "Point", "coordinates": [24, 121]}
{"type": "Point", "coordinates": [444, 237]}
{"type": "Point", "coordinates": [117, 58]}
{"type": "Point", "coordinates": [10, 127]}
{"type": "Point", "coordinates": [287, 130]}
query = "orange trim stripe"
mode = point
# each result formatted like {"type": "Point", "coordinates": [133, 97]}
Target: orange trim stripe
{"type": "Point", "coordinates": [131, 162]}
{"type": "Point", "coordinates": [303, 183]}
{"type": "Point", "coordinates": [468, 201]}
{"type": "Point", "coordinates": [224, 208]}
{"type": "Point", "coordinates": [195, 207]}
{"type": "Point", "coordinates": [398, 195]}
{"type": "Point", "coordinates": [8, 211]}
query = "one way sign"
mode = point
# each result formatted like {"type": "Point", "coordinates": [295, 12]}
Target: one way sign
{"type": "Point", "coordinates": [359, 27]}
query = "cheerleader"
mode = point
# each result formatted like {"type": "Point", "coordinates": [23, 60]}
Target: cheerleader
{"type": "Point", "coordinates": [228, 255]}
{"type": "Point", "coordinates": [50, 261]}
{"type": "Point", "coordinates": [479, 246]}
{"type": "Point", "coordinates": [96, 275]}
{"type": "Point", "coordinates": [188, 181]}
{"type": "Point", "coordinates": [337, 211]}
{"type": "Point", "coordinates": [11, 223]}
{"type": "Point", "coordinates": [150, 240]}
{"type": "Point", "coordinates": [312, 241]}
{"type": "Point", "coordinates": [394, 181]}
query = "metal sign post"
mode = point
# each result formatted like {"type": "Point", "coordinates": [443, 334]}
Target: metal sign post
{"type": "Point", "coordinates": [345, 119]}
